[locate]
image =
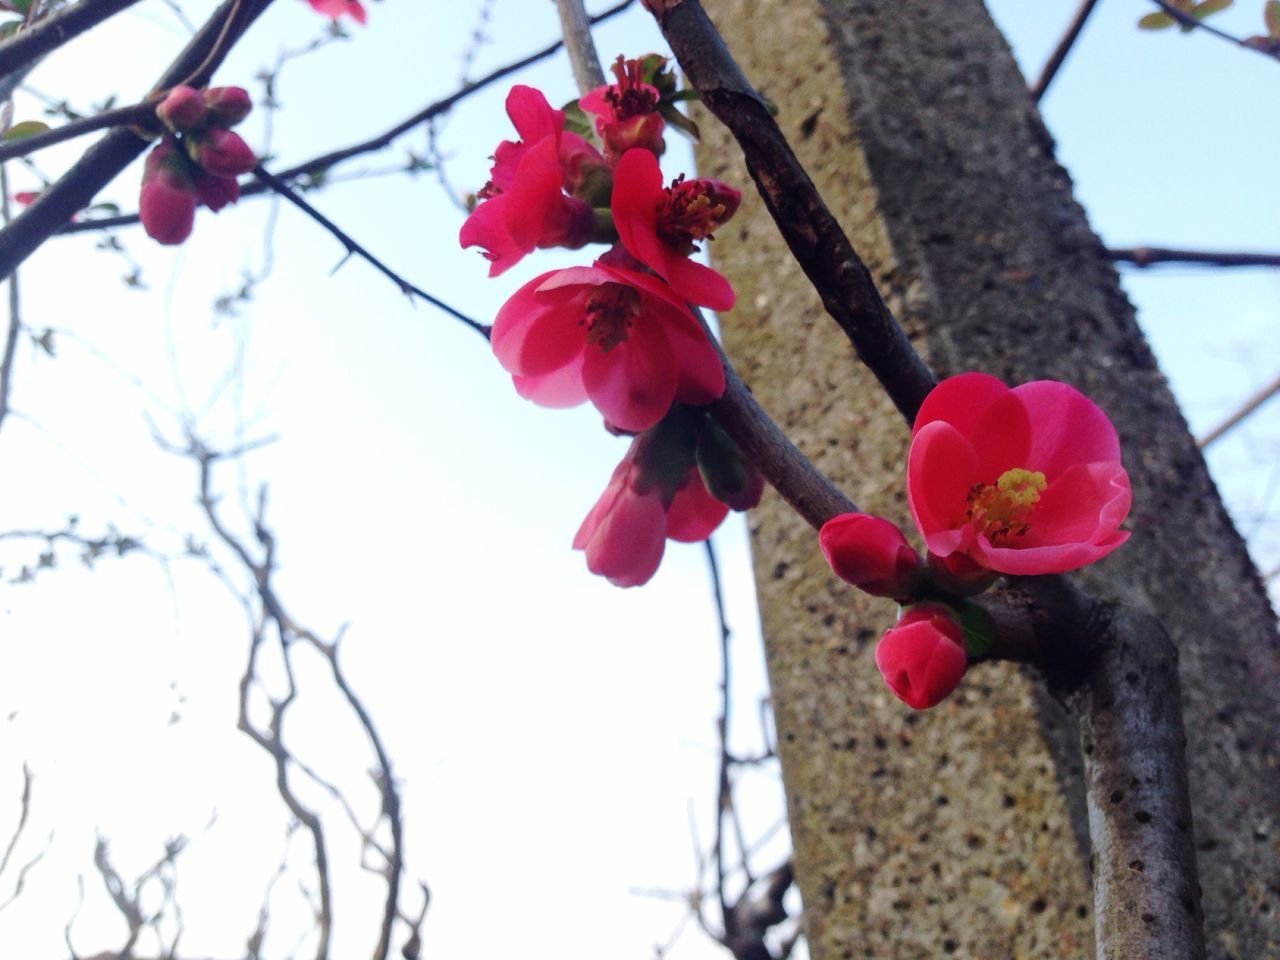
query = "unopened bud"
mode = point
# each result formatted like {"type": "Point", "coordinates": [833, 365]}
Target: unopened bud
{"type": "Point", "coordinates": [182, 110]}
{"type": "Point", "coordinates": [872, 554]}
{"type": "Point", "coordinates": [227, 105]}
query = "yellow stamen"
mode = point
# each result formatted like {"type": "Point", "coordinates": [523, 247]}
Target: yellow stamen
{"type": "Point", "coordinates": [1001, 510]}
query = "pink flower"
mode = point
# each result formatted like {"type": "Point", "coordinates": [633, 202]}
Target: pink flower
{"type": "Point", "coordinates": [227, 105]}
{"type": "Point", "coordinates": [339, 8]}
{"type": "Point", "coordinates": [182, 109]}
{"type": "Point", "coordinates": [625, 533]}
{"type": "Point", "coordinates": [221, 153]}
{"type": "Point", "coordinates": [922, 658]}
{"type": "Point", "coordinates": [524, 205]}
{"type": "Point", "coordinates": [660, 225]}
{"type": "Point", "coordinates": [872, 554]}
{"type": "Point", "coordinates": [1020, 481]}
{"type": "Point", "coordinates": [619, 338]}
{"type": "Point", "coordinates": [26, 197]}
{"type": "Point", "coordinates": [694, 513]}
{"type": "Point", "coordinates": [626, 112]}
{"type": "Point", "coordinates": [215, 192]}
{"type": "Point", "coordinates": [167, 203]}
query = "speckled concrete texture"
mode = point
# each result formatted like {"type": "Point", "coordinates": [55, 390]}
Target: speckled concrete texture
{"type": "Point", "coordinates": [957, 832]}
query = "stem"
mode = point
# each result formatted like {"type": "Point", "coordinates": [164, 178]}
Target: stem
{"type": "Point", "coordinates": [119, 117]}
{"type": "Point", "coordinates": [1146, 256]}
{"type": "Point", "coordinates": [1257, 399]}
{"type": "Point", "coordinates": [1064, 47]}
{"type": "Point", "coordinates": [576, 27]}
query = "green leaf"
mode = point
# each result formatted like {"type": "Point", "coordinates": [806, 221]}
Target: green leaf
{"type": "Point", "coordinates": [678, 120]}
{"type": "Point", "coordinates": [577, 121]}
{"type": "Point", "coordinates": [27, 128]}
{"type": "Point", "coordinates": [978, 629]}
{"type": "Point", "coordinates": [1209, 7]}
{"type": "Point", "coordinates": [106, 209]}
{"type": "Point", "coordinates": [1271, 17]}
{"type": "Point", "coordinates": [9, 28]}
{"type": "Point", "coordinates": [21, 6]}
{"type": "Point", "coordinates": [1156, 21]}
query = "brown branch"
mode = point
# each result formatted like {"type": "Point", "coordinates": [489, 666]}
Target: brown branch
{"type": "Point", "coordinates": [55, 30]}
{"type": "Point", "coordinates": [354, 248]}
{"type": "Point", "coordinates": [816, 239]}
{"type": "Point", "coordinates": [76, 188]}
{"type": "Point", "coordinates": [1146, 256]}
{"type": "Point", "coordinates": [325, 161]}
{"type": "Point", "coordinates": [1187, 20]}
{"type": "Point", "coordinates": [1063, 48]}
{"type": "Point", "coordinates": [576, 28]}
{"type": "Point", "coordinates": [129, 116]}
{"type": "Point", "coordinates": [1254, 401]}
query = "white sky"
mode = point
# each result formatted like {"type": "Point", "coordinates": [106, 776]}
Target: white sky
{"type": "Point", "coordinates": [552, 733]}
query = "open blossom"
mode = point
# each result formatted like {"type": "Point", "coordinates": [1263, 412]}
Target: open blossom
{"type": "Point", "coordinates": [871, 553]}
{"type": "Point", "coordinates": [619, 338]}
{"type": "Point", "coordinates": [626, 112]}
{"type": "Point", "coordinates": [534, 197]}
{"type": "Point", "coordinates": [1019, 481]}
{"type": "Point", "coordinates": [922, 657]}
{"type": "Point", "coordinates": [660, 226]}
{"type": "Point", "coordinates": [338, 8]}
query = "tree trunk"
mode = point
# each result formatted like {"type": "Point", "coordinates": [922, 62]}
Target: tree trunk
{"type": "Point", "coordinates": [962, 831]}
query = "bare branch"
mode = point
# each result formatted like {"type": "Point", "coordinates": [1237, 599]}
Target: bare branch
{"type": "Point", "coordinates": [576, 28]}
{"type": "Point", "coordinates": [1063, 48]}
{"type": "Point", "coordinates": [1147, 256]}
{"type": "Point", "coordinates": [135, 113]}
{"type": "Point", "coordinates": [1191, 22]}
{"type": "Point", "coordinates": [1252, 403]}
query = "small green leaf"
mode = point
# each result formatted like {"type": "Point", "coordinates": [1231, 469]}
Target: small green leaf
{"type": "Point", "coordinates": [27, 128]}
{"type": "Point", "coordinates": [577, 121]}
{"type": "Point", "coordinates": [21, 6]}
{"type": "Point", "coordinates": [679, 121]}
{"type": "Point", "coordinates": [9, 28]}
{"type": "Point", "coordinates": [978, 629]}
{"type": "Point", "coordinates": [106, 209]}
{"type": "Point", "coordinates": [1209, 7]}
{"type": "Point", "coordinates": [1271, 17]}
{"type": "Point", "coordinates": [1156, 21]}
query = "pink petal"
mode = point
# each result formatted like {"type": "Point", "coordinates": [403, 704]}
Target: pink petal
{"type": "Point", "coordinates": [941, 468]}
{"type": "Point", "coordinates": [960, 401]}
{"type": "Point", "coordinates": [1067, 427]}
{"type": "Point", "coordinates": [633, 384]}
{"type": "Point", "coordinates": [694, 514]}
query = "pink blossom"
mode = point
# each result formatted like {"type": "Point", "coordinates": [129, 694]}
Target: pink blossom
{"type": "Point", "coordinates": [619, 338]}
{"type": "Point", "coordinates": [626, 112]}
{"type": "Point", "coordinates": [182, 109]}
{"type": "Point", "coordinates": [167, 203]}
{"type": "Point", "coordinates": [524, 205]}
{"type": "Point", "coordinates": [338, 8]}
{"type": "Point", "coordinates": [694, 513]}
{"type": "Point", "coordinates": [922, 658]}
{"type": "Point", "coordinates": [221, 153]}
{"type": "Point", "coordinates": [26, 197]}
{"type": "Point", "coordinates": [871, 553]}
{"type": "Point", "coordinates": [215, 192]}
{"type": "Point", "coordinates": [1019, 481]}
{"type": "Point", "coordinates": [660, 225]}
{"type": "Point", "coordinates": [624, 535]}
{"type": "Point", "coordinates": [227, 105]}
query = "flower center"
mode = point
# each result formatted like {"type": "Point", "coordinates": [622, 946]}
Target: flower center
{"type": "Point", "coordinates": [1001, 510]}
{"type": "Point", "coordinates": [630, 96]}
{"type": "Point", "coordinates": [609, 313]}
{"type": "Point", "coordinates": [690, 210]}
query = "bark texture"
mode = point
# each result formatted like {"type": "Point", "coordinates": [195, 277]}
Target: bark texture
{"type": "Point", "coordinates": [961, 831]}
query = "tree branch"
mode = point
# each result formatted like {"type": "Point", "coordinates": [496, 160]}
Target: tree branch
{"type": "Point", "coordinates": [1146, 256]}
{"type": "Point", "coordinates": [1062, 49]}
{"type": "Point", "coordinates": [811, 231]}
{"type": "Point", "coordinates": [576, 28]}
{"type": "Point", "coordinates": [100, 164]}
{"type": "Point", "coordinates": [55, 30]}
{"type": "Point", "coordinates": [135, 113]}
{"type": "Point", "coordinates": [353, 248]}
{"type": "Point", "coordinates": [1187, 20]}
{"type": "Point", "coordinates": [1254, 401]}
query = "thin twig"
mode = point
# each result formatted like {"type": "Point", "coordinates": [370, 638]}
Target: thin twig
{"type": "Point", "coordinates": [1187, 20]}
{"type": "Point", "coordinates": [128, 116]}
{"type": "Point", "coordinates": [323, 162]}
{"type": "Point", "coordinates": [15, 312]}
{"type": "Point", "coordinates": [1147, 256]}
{"type": "Point", "coordinates": [723, 789]}
{"type": "Point", "coordinates": [1062, 49]}
{"type": "Point", "coordinates": [1252, 403]}
{"type": "Point", "coordinates": [354, 248]}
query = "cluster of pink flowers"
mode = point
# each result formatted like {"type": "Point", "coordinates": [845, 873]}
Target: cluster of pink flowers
{"type": "Point", "coordinates": [196, 161]}
{"type": "Point", "coordinates": [619, 332]}
{"type": "Point", "coordinates": [1019, 481]}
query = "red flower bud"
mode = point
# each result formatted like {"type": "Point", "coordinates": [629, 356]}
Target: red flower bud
{"type": "Point", "coordinates": [167, 203]}
{"type": "Point", "coordinates": [871, 553]}
{"type": "Point", "coordinates": [221, 153]}
{"type": "Point", "coordinates": [216, 192]}
{"type": "Point", "coordinates": [227, 105]}
{"type": "Point", "coordinates": [182, 110]}
{"type": "Point", "coordinates": [922, 658]}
